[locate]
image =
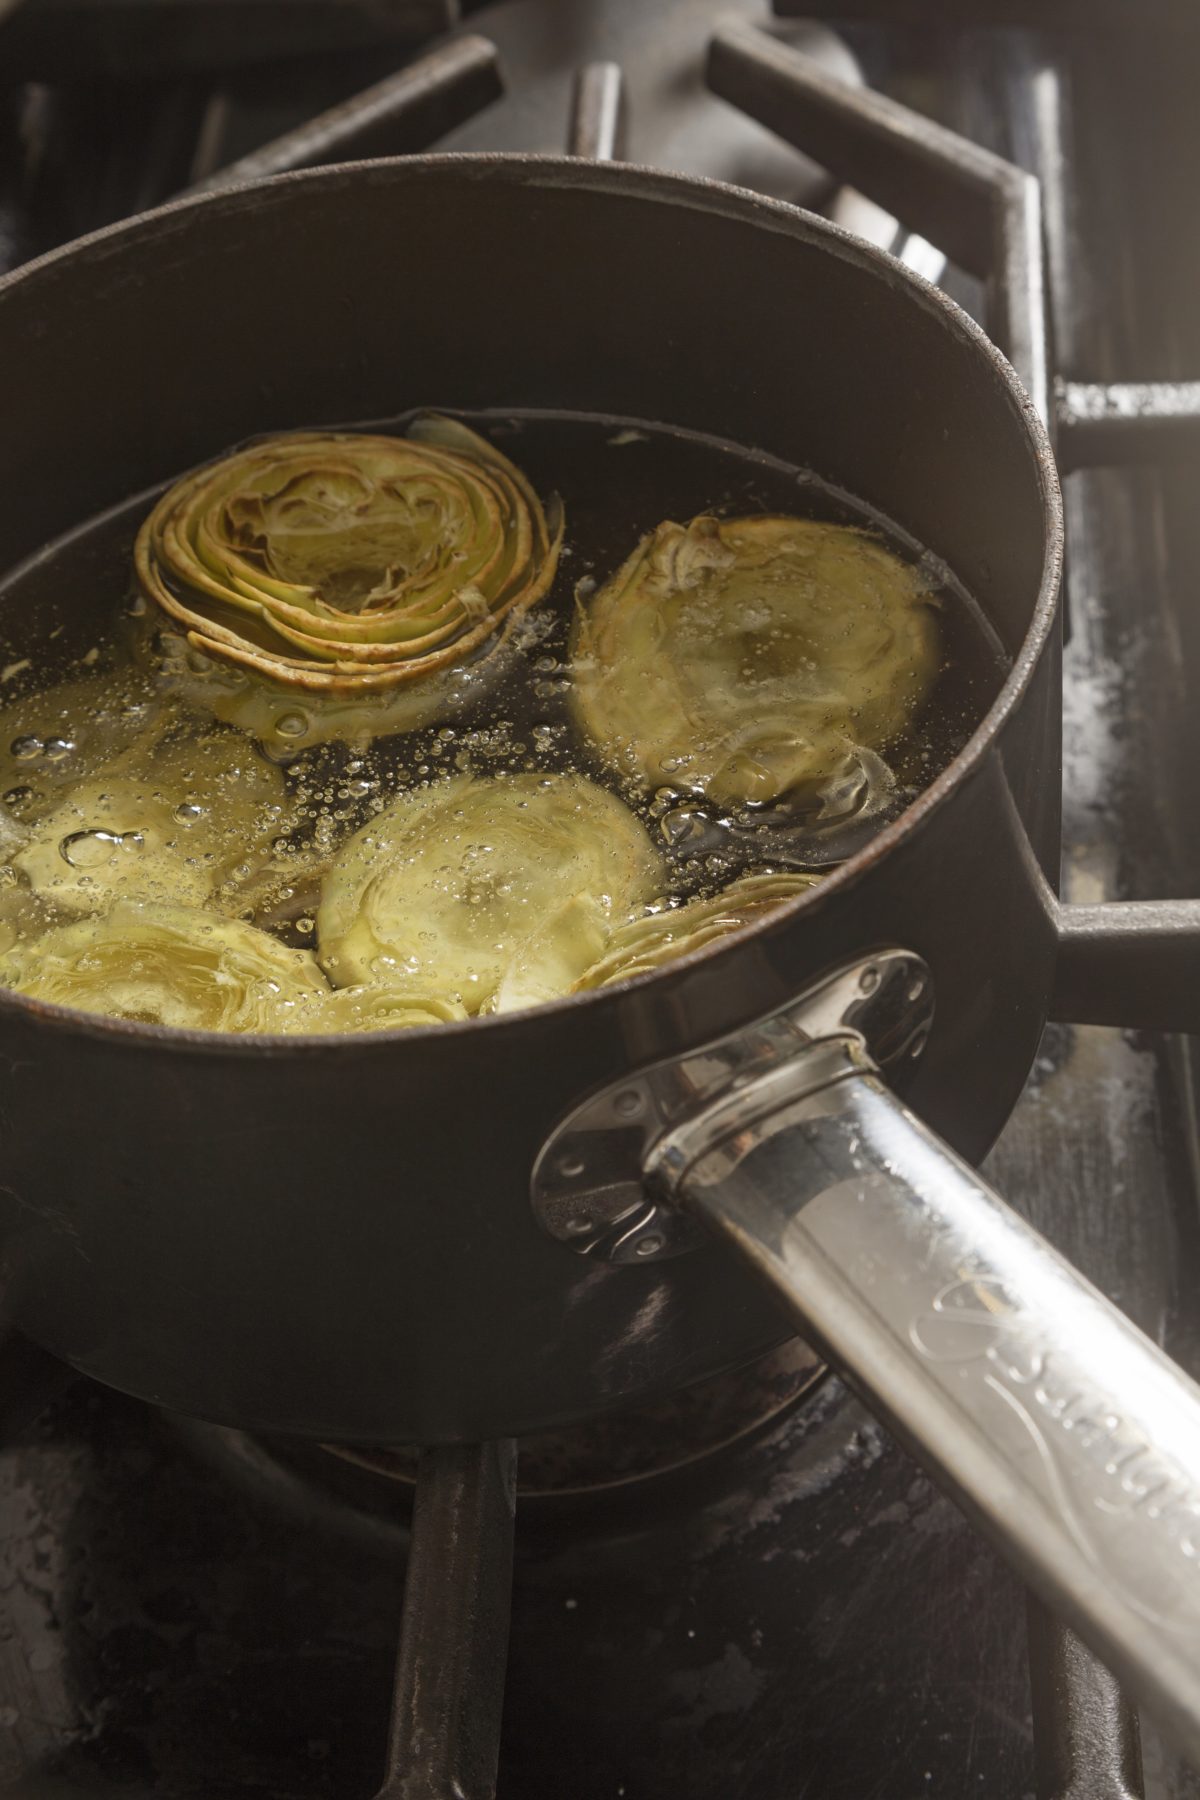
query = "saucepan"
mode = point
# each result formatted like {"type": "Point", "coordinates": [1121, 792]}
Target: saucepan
{"type": "Point", "coordinates": [490, 1228]}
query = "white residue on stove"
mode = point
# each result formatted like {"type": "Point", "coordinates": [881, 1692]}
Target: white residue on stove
{"type": "Point", "coordinates": [1094, 1119]}
{"type": "Point", "coordinates": [1093, 696]}
{"type": "Point", "coordinates": [895, 1514]}
{"type": "Point", "coordinates": [935, 1514]}
{"type": "Point", "coordinates": [1116, 1073]}
{"type": "Point", "coordinates": [923, 1510]}
{"type": "Point", "coordinates": [1093, 702]}
{"type": "Point", "coordinates": [640, 1336]}
{"type": "Point", "coordinates": [730, 1685]}
{"type": "Point", "coordinates": [34, 1596]}
{"type": "Point", "coordinates": [741, 1514]}
{"type": "Point", "coordinates": [1122, 659]}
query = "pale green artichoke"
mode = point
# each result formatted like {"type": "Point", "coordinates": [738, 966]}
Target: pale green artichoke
{"type": "Point", "coordinates": [54, 739]}
{"type": "Point", "coordinates": [168, 820]}
{"type": "Point", "coordinates": [748, 659]}
{"type": "Point", "coordinates": [660, 937]}
{"type": "Point", "coordinates": [487, 892]}
{"type": "Point", "coordinates": [341, 567]}
{"type": "Point", "coordinates": [177, 965]}
{"type": "Point", "coordinates": [170, 965]}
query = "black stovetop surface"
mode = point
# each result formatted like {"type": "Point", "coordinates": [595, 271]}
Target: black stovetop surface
{"type": "Point", "coordinates": [179, 1615]}
{"type": "Point", "coordinates": [181, 1618]}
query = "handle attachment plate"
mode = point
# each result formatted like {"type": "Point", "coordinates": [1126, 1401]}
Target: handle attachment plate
{"type": "Point", "coordinates": [588, 1187]}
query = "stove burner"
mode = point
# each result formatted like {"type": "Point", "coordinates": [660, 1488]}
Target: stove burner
{"type": "Point", "coordinates": [357, 1488]}
{"type": "Point", "coordinates": [621, 1449]}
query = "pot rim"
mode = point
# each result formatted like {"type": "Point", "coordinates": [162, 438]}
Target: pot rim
{"type": "Point", "coordinates": [701, 194]}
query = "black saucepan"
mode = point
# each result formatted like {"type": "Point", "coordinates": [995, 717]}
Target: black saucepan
{"type": "Point", "coordinates": [486, 1229]}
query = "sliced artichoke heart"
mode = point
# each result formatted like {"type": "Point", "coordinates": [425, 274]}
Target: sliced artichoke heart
{"type": "Point", "coordinates": [169, 965]}
{"type": "Point", "coordinates": [547, 965]}
{"type": "Point", "coordinates": [166, 820]}
{"type": "Point", "coordinates": [468, 888]}
{"type": "Point", "coordinates": [61, 735]}
{"type": "Point", "coordinates": [661, 936]}
{"type": "Point", "coordinates": [747, 659]}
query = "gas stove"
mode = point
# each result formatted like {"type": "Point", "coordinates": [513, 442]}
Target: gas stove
{"type": "Point", "coordinates": [750, 1594]}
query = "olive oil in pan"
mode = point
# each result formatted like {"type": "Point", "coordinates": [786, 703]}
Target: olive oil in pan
{"type": "Point", "coordinates": [164, 802]}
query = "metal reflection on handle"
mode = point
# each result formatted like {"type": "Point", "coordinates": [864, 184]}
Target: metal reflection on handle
{"type": "Point", "coordinates": [1069, 1436]}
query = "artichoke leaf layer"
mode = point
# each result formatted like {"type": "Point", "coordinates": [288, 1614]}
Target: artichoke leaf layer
{"type": "Point", "coordinates": [666, 933]}
{"type": "Point", "coordinates": [340, 566]}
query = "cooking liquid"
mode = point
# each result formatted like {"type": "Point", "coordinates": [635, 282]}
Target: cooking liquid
{"type": "Point", "coordinates": [72, 676]}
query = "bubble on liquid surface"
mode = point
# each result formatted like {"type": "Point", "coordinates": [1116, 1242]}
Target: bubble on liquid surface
{"type": "Point", "coordinates": [686, 826]}
{"type": "Point", "coordinates": [291, 724]}
{"type": "Point", "coordinates": [94, 848]}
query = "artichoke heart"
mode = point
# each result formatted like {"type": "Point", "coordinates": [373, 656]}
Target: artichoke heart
{"type": "Point", "coordinates": [169, 965]}
{"type": "Point", "coordinates": [748, 659]}
{"type": "Point", "coordinates": [60, 735]}
{"type": "Point", "coordinates": [166, 820]}
{"type": "Point", "coordinates": [341, 566]}
{"type": "Point", "coordinates": [660, 937]}
{"type": "Point", "coordinates": [472, 886]}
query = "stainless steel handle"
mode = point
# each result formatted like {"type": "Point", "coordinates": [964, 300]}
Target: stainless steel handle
{"type": "Point", "coordinates": [1070, 1437]}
